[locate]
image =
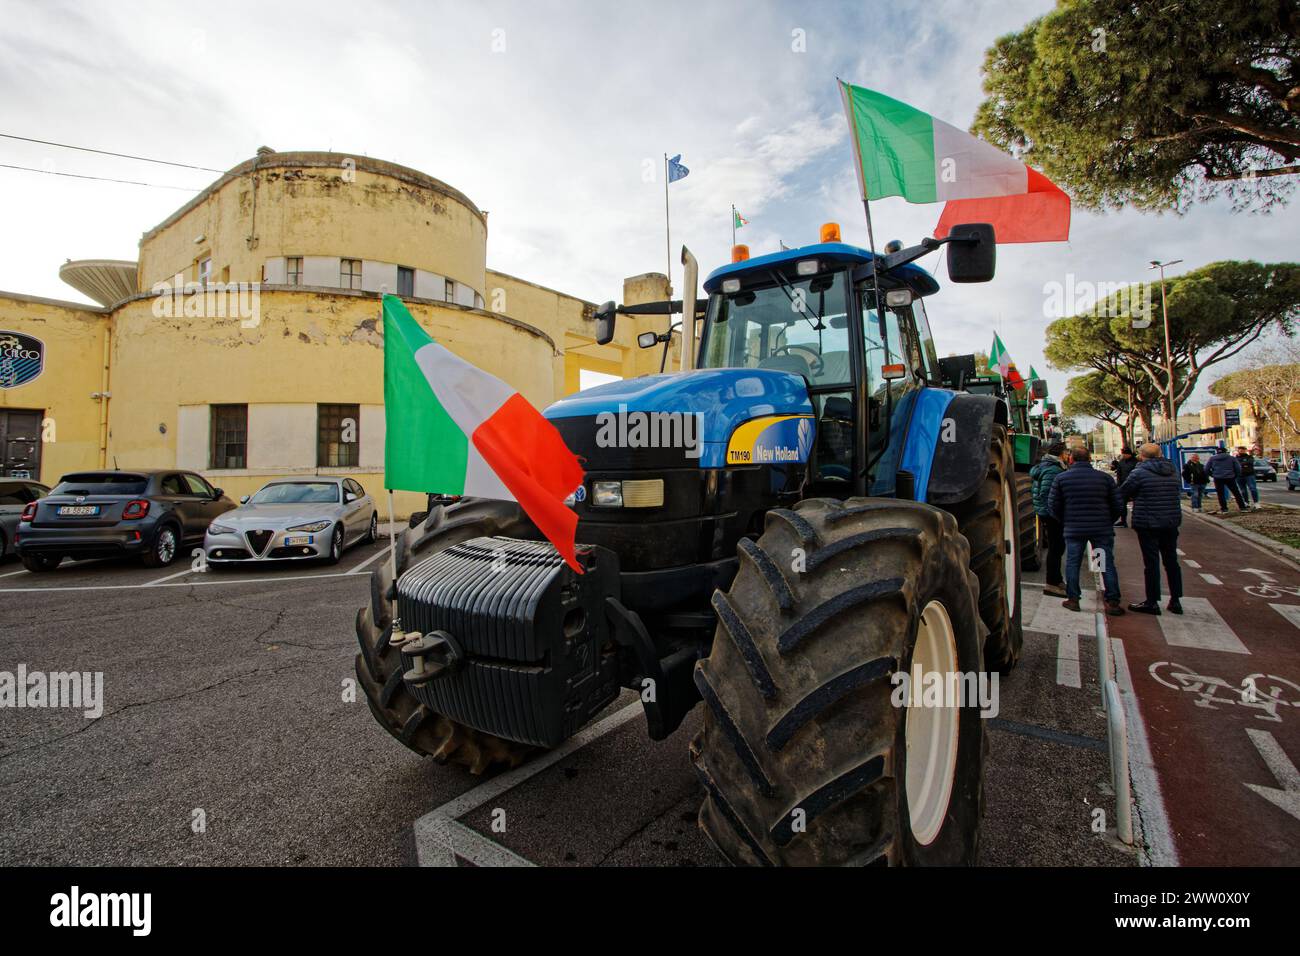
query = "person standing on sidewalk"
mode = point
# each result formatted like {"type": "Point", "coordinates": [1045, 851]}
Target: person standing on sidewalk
{"type": "Point", "coordinates": [1195, 476]}
{"type": "Point", "coordinates": [1225, 470]}
{"type": "Point", "coordinates": [1157, 497]}
{"type": "Point", "coordinates": [1249, 486]}
{"type": "Point", "coordinates": [1123, 467]}
{"type": "Point", "coordinates": [1043, 474]}
{"type": "Point", "coordinates": [1087, 502]}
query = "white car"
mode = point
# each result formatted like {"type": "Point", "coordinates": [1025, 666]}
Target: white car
{"type": "Point", "coordinates": [294, 519]}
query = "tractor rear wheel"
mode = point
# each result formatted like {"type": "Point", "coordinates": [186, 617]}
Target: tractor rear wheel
{"type": "Point", "coordinates": [989, 519]}
{"type": "Point", "coordinates": [379, 665]}
{"type": "Point", "coordinates": [804, 756]}
{"type": "Point", "coordinates": [1031, 554]}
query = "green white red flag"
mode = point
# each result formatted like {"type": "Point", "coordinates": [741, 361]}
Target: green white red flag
{"type": "Point", "coordinates": [453, 429]}
{"type": "Point", "coordinates": [1000, 361]}
{"type": "Point", "coordinates": [901, 151]}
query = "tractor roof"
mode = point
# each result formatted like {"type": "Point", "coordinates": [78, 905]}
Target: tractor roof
{"type": "Point", "coordinates": [916, 278]}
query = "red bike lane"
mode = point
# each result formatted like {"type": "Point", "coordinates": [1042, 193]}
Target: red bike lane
{"type": "Point", "coordinates": [1219, 691]}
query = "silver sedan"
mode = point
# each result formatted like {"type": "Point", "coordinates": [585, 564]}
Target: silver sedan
{"type": "Point", "coordinates": [293, 520]}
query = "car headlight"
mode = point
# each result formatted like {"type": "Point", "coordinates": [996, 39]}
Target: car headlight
{"type": "Point", "coordinates": [314, 526]}
{"type": "Point", "coordinates": [220, 529]}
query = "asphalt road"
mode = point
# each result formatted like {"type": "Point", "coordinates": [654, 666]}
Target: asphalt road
{"type": "Point", "coordinates": [230, 734]}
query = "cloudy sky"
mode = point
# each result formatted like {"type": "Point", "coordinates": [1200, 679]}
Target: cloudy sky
{"type": "Point", "coordinates": [546, 114]}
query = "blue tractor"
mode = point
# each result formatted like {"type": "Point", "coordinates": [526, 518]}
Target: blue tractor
{"type": "Point", "coordinates": [808, 512]}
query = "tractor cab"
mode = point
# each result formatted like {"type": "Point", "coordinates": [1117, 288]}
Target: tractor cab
{"type": "Point", "coordinates": [813, 312]}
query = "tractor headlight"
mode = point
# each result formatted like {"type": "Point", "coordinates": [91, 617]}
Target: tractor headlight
{"type": "Point", "coordinates": [314, 526]}
{"type": "Point", "coordinates": [640, 493]}
{"type": "Point", "coordinates": [607, 494]}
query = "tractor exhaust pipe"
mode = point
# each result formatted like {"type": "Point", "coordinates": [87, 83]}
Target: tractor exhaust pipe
{"type": "Point", "coordinates": [689, 280]}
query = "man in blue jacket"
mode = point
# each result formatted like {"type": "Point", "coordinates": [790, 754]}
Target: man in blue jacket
{"type": "Point", "coordinates": [1157, 497]}
{"type": "Point", "coordinates": [1225, 470]}
{"type": "Point", "coordinates": [1053, 463]}
{"type": "Point", "coordinates": [1087, 503]}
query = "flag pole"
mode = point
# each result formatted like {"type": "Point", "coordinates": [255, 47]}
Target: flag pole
{"type": "Point", "coordinates": [392, 522]}
{"type": "Point", "coordinates": [668, 240]}
{"type": "Point", "coordinates": [733, 224]}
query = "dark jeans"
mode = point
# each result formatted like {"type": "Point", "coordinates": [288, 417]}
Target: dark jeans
{"type": "Point", "coordinates": [1222, 486]}
{"type": "Point", "coordinates": [1075, 549]}
{"type": "Point", "coordinates": [1160, 545]}
{"type": "Point", "coordinates": [1055, 535]}
{"type": "Point", "coordinates": [1250, 490]}
{"type": "Point", "coordinates": [1198, 492]}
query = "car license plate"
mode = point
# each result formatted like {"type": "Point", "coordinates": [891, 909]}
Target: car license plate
{"type": "Point", "coordinates": [78, 510]}
{"type": "Point", "coordinates": [297, 539]}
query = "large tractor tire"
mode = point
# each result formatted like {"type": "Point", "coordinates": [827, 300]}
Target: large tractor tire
{"type": "Point", "coordinates": [379, 665]}
{"type": "Point", "coordinates": [804, 758]}
{"type": "Point", "coordinates": [1031, 553]}
{"type": "Point", "coordinates": [990, 521]}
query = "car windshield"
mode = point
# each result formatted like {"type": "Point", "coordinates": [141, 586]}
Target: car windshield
{"type": "Point", "coordinates": [297, 492]}
{"type": "Point", "coordinates": [796, 326]}
{"type": "Point", "coordinates": [100, 483]}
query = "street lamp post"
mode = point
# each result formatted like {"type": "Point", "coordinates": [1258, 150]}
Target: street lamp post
{"type": "Point", "coordinates": [1169, 355]}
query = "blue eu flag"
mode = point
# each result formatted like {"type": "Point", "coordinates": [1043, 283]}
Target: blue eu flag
{"type": "Point", "coordinates": [676, 170]}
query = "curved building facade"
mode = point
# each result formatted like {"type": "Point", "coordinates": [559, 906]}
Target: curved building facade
{"type": "Point", "coordinates": [251, 346]}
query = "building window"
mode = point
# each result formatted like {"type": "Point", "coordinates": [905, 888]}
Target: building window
{"type": "Point", "coordinates": [293, 270]}
{"type": "Point", "coordinates": [338, 436]}
{"type": "Point", "coordinates": [350, 273]}
{"type": "Point", "coordinates": [405, 281]}
{"type": "Point", "coordinates": [229, 436]}
{"type": "Point", "coordinates": [205, 271]}
{"type": "Point", "coordinates": [450, 292]}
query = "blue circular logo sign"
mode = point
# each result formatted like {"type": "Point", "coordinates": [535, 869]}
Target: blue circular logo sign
{"type": "Point", "coordinates": [22, 358]}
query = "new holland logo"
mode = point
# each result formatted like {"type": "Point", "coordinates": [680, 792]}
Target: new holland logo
{"type": "Point", "coordinates": [22, 358]}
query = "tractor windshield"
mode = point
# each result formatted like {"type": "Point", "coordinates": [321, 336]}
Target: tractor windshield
{"type": "Point", "coordinates": [798, 326]}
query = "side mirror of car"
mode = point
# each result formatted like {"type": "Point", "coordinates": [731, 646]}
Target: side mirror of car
{"type": "Point", "coordinates": [217, 493]}
{"type": "Point", "coordinates": [349, 498]}
{"type": "Point", "coordinates": [243, 499]}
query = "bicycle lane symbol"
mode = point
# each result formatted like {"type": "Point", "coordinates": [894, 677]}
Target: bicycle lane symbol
{"type": "Point", "coordinates": [1265, 693]}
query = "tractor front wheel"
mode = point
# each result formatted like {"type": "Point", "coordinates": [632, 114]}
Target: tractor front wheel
{"type": "Point", "coordinates": [809, 754]}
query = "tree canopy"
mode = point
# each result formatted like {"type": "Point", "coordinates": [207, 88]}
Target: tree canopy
{"type": "Point", "coordinates": [1214, 312]}
{"type": "Point", "coordinates": [1155, 106]}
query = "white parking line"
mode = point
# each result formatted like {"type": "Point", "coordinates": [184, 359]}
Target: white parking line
{"type": "Point", "coordinates": [1190, 563]}
{"type": "Point", "coordinates": [174, 584]}
{"type": "Point", "coordinates": [168, 578]}
{"type": "Point", "coordinates": [378, 554]}
{"type": "Point", "coordinates": [1200, 626]}
{"type": "Point", "coordinates": [440, 837]}
{"type": "Point", "coordinates": [1067, 660]}
{"type": "Point", "coordinates": [1210, 578]}
{"type": "Point", "coordinates": [1156, 848]}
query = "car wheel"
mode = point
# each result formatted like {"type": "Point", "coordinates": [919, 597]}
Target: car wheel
{"type": "Point", "coordinates": [336, 545]}
{"type": "Point", "coordinates": [41, 562]}
{"type": "Point", "coordinates": [373, 534]}
{"type": "Point", "coordinates": [165, 546]}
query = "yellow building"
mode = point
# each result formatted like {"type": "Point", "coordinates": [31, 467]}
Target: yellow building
{"type": "Point", "coordinates": [1274, 440]}
{"type": "Point", "coordinates": [246, 342]}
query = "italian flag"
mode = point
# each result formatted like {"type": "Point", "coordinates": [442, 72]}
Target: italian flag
{"type": "Point", "coordinates": [1000, 361]}
{"type": "Point", "coordinates": [453, 429]}
{"type": "Point", "coordinates": [737, 219]}
{"type": "Point", "coordinates": [901, 151]}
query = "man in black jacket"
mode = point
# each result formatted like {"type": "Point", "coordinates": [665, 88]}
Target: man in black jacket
{"type": "Point", "coordinates": [1157, 497]}
{"type": "Point", "coordinates": [1123, 467]}
{"type": "Point", "coordinates": [1195, 476]}
{"type": "Point", "coordinates": [1086, 502]}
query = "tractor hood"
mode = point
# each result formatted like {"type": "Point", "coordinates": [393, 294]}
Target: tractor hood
{"type": "Point", "coordinates": [776, 405]}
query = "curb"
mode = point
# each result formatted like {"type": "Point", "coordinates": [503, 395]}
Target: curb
{"type": "Point", "coordinates": [1276, 548]}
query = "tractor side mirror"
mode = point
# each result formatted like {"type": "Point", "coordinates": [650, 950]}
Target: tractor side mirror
{"type": "Point", "coordinates": [605, 323]}
{"type": "Point", "coordinates": [972, 252]}
{"type": "Point", "coordinates": [647, 340]}
{"type": "Point", "coordinates": [1038, 388]}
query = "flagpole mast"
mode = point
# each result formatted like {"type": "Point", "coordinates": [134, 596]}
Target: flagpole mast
{"type": "Point", "coordinates": [392, 522]}
{"type": "Point", "coordinates": [668, 240]}
{"type": "Point", "coordinates": [733, 224]}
